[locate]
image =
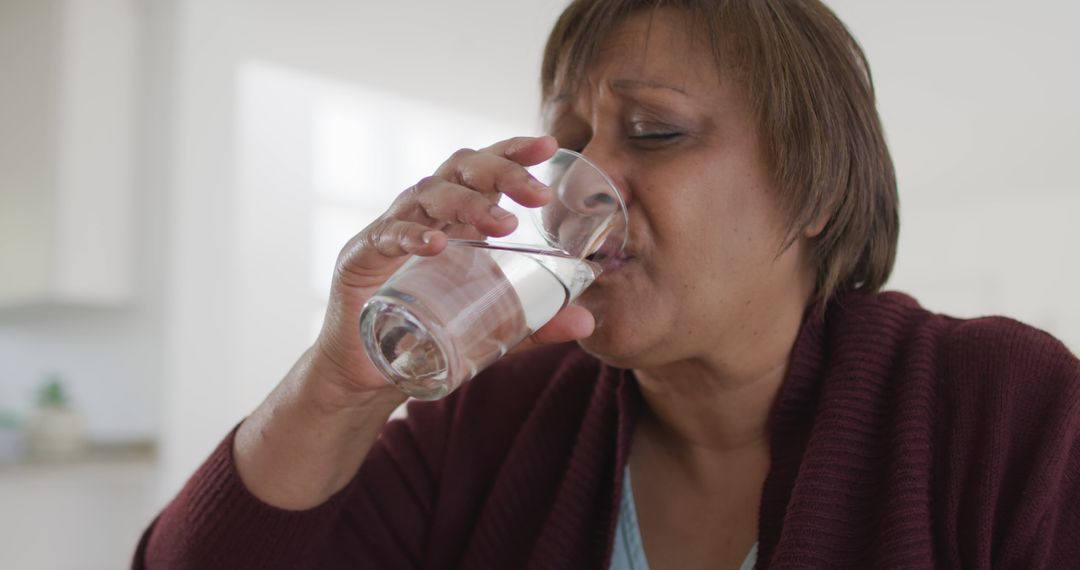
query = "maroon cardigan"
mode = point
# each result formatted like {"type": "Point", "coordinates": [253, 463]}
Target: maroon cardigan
{"type": "Point", "coordinates": [900, 439]}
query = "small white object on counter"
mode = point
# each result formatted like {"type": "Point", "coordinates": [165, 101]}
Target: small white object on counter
{"type": "Point", "coordinates": [55, 434]}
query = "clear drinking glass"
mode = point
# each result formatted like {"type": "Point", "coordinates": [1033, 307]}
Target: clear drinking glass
{"type": "Point", "coordinates": [440, 320]}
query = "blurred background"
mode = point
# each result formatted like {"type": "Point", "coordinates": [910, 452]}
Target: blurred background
{"type": "Point", "coordinates": [177, 176]}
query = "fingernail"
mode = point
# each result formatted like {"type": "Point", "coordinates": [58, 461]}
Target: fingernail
{"type": "Point", "coordinates": [426, 237]}
{"type": "Point", "coordinates": [538, 186]}
{"type": "Point", "coordinates": [499, 213]}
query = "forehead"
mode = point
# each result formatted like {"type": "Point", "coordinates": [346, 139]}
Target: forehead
{"type": "Point", "coordinates": [649, 48]}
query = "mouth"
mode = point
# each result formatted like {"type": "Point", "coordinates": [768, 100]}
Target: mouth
{"type": "Point", "coordinates": [610, 259]}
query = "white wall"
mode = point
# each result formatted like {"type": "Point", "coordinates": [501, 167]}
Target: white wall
{"type": "Point", "coordinates": [979, 99]}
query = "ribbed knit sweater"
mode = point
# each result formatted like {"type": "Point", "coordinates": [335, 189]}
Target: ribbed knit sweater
{"type": "Point", "coordinates": [899, 439]}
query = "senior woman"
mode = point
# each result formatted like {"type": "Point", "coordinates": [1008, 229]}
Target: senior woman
{"type": "Point", "coordinates": [738, 392]}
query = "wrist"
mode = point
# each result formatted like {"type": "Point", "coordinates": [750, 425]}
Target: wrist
{"type": "Point", "coordinates": [330, 390]}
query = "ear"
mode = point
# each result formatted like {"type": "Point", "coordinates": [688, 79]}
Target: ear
{"type": "Point", "coordinates": [814, 229]}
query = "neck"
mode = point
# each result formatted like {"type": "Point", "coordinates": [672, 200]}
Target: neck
{"type": "Point", "coordinates": [719, 403]}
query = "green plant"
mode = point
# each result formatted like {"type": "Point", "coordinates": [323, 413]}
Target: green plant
{"type": "Point", "coordinates": [52, 393]}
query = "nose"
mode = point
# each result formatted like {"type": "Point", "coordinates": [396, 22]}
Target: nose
{"type": "Point", "coordinates": [594, 211]}
{"type": "Point", "coordinates": [610, 186]}
{"type": "Point", "coordinates": [588, 191]}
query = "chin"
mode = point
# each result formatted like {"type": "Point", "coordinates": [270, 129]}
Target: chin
{"type": "Point", "coordinates": [617, 342]}
{"type": "Point", "coordinates": [618, 359]}
{"type": "Point", "coordinates": [628, 316]}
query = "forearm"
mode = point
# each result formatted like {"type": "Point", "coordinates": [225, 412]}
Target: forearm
{"type": "Point", "coordinates": [307, 440]}
{"type": "Point", "coordinates": [268, 496]}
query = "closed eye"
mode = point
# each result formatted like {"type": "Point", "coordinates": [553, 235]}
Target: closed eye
{"type": "Point", "coordinates": [652, 132]}
{"type": "Point", "coordinates": [655, 136]}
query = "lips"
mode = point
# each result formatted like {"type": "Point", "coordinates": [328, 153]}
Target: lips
{"type": "Point", "coordinates": [609, 258]}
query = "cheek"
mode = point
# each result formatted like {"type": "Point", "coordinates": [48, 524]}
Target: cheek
{"type": "Point", "coordinates": [691, 204]}
{"type": "Point", "coordinates": [712, 259]}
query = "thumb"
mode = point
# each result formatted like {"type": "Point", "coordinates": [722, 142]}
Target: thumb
{"type": "Point", "coordinates": [571, 323]}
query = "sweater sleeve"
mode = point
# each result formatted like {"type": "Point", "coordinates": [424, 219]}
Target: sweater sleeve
{"type": "Point", "coordinates": [1063, 522]}
{"type": "Point", "coordinates": [1059, 524]}
{"type": "Point", "coordinates": [1010, 477]}
{"type": "Point", "coordinates": [378, 520]}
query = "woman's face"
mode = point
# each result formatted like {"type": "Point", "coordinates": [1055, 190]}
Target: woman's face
{"type": "Point", "coordinates": [703, 272]}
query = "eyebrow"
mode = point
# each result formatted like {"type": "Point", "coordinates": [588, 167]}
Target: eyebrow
{"type": "Point", "coordinates": [633, 84]}
{"type": "Point", "coordinates": [630, 85]}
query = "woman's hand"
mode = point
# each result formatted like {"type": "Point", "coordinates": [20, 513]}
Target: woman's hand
{"type": "Point", "coordinates": [308, 439]}
{"type": "Point", "coordinates": [458, 201]}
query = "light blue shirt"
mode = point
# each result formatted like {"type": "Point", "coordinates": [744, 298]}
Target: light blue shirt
{"type": "Point", "coordinates": [629, 553]}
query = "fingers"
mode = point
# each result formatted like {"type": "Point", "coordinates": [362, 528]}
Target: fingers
{"type": "Point", "coordinates": [460, 200]}
{"type": "Point", "coordinates": [497, 169]}
{"type": "Point", "coordinates": [571, 323]}
{"type": "Point", "coordinates": [449, 203]}
{"type": "Point", "coordinates": [526, 151]}
{"type": "Point", "coordinates": [368, 258]}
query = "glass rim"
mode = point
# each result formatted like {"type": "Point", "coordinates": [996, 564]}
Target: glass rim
{"type": "Point", "coordinates": [618, 195]}
{"type": "Point", "coordinates": [532, 215]}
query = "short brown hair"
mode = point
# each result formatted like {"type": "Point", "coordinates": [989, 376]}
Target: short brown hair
{"type": "Point", "coordinates": [810, 88]}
